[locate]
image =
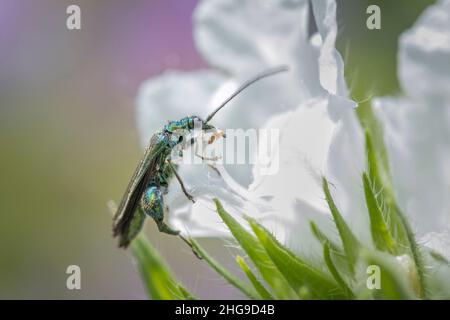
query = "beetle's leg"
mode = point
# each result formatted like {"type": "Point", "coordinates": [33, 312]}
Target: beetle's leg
{"type": "Point", "coordinates": [163, 227]}
{"type": "Point", "coordinates": [187, 194]}
{"type": "Point", "coordinates": [214, 168]}
{"type": "Point", "coordinates": [203, 157]}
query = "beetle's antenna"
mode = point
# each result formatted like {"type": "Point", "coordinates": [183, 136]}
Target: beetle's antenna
{"type": "Point", "coordinates": [260, 76]}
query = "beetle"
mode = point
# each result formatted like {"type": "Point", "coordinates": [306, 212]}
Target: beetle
{"type": "Point", "coordinates": [144, 195]}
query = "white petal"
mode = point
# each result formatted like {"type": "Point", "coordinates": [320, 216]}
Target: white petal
{"type": "Point", "coordinates": [345, 165]}
{"type": "Point", "coordinates": [172, 96]}
{"type": "Point", "coordinates": [331, 66]}
{"type": "Point", "coordinates": [438, 241]}
{"type": "Point", "coordinates": [200, 219]}
{"type": "Point", "coordinates": [417, 127]}
{"type": "Point", "coordinates": [417, 137]}
{"type": "Point", "coordinates": [246, 35]}
{"type": "Point", "coordinates": [313, 144]}
{"type": "Point", "coordinates": [424, 57]}
{"type": "Point", "coordinates": [252, 108]}
{"type": "Point", "coordinates": [303, 148]}
{"type": "Point", "coordinates": [257, 103]}
{"type": "Point", "coordinates": [294, 191]}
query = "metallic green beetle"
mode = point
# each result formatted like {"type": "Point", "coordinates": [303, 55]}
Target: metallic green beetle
{"type": "Point", "coordinates": [148, 185]}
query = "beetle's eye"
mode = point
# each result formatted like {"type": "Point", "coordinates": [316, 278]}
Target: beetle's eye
{"type": "Point", "coordinates": [180, 139]}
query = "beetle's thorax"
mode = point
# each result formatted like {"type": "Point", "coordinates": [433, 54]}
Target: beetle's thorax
{"type": "Point", "coordinates": [168, 139]}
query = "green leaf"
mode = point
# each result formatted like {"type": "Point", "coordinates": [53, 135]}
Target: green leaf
{"type": "Point", "coordinates": [232, 279]}
{"type": "Point", "coordinates": [298, 273]}
{"type": "Point", "coordinates": [381, 235]}
{"type": "Point", "coordinates": [334, 272]}
{"type": "Point", "coordinates": [258, 255]}
{"type": "Point", "coordinates": [394, 284]}
{"type": "Point", "coordinates": [380, 181]}
{"type": "Point", "coordinates": [418, 259]}
{"type": "Point", "coordinates": [158, 279]}
{"type": "Point", "coordinates": [323, 239]}
{"type": "Point", "coordinates": [336, 251]}
{"type": "Point", "coordinates": [349, 241]}
{"type": "Point", "coordinates": [186, 294]}
{"type": "Point", "coordinates": [256, 283]}
{"type": "Point", "coordinates": [398, 224]}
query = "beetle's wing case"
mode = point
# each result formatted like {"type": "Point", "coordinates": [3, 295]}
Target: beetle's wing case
{"type": "Point", "coordinates": [139, 181]}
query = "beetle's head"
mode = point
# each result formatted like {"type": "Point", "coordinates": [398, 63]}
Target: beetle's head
{"type": "Point", "coordinates": [197, 122]}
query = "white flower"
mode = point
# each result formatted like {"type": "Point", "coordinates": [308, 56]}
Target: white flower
{"type": "Point", "coordinates": [308, 104]}
{"type": "Point", "coordinates": [417, 125]}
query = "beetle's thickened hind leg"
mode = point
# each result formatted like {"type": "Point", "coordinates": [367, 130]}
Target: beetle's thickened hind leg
{"type": "Point", "coordinates": [152, 203]}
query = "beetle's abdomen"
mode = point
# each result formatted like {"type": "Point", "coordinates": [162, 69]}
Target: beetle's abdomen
{"type": "Point", "coordinates": [152, 202]}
